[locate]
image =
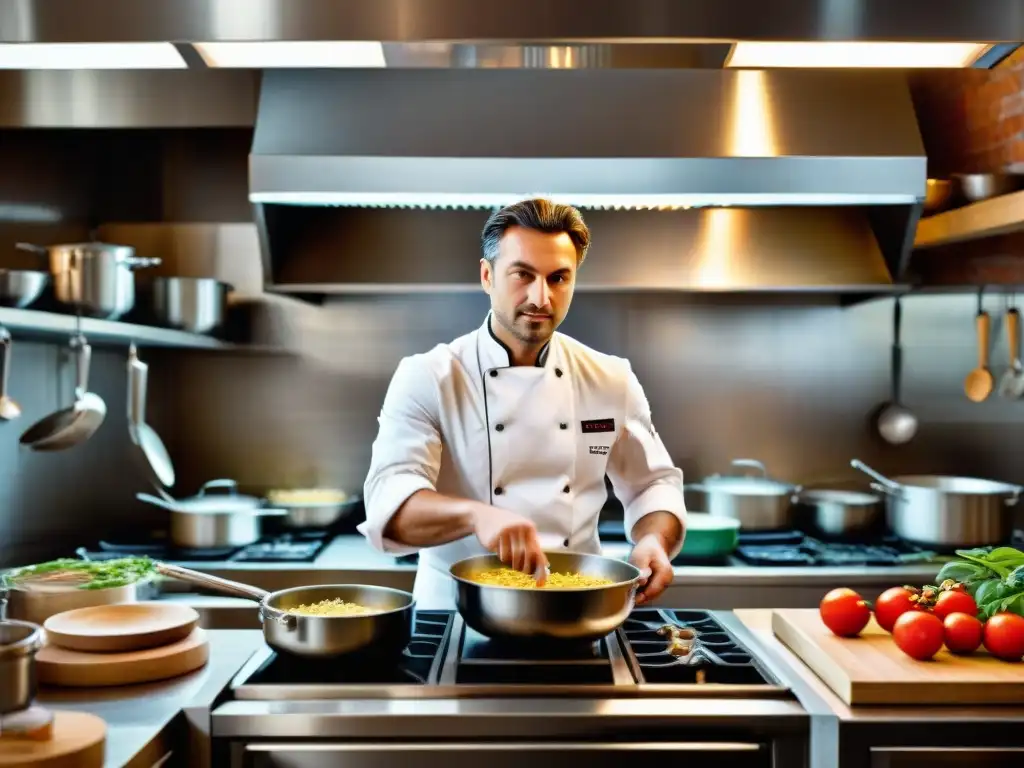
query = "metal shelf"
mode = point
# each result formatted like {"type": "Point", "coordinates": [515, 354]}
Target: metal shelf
{"type": "Point", "coordinates": [985, 218]}
{"type": "Point", "coordinates": [48, 326]}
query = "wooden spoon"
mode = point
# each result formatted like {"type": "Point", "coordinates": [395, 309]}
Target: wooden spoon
{"type": "Point", "coordinates": [979, 383]}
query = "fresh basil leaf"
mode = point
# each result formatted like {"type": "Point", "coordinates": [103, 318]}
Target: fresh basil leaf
{"type": "Point", "coordinates": [1012, 604]}
{"type": "Point", "coordinates": [990, 596]}
{"type": "Point", "coordinates": [963, 572]}
{"type": "Point", "coordinates": [983, 560]}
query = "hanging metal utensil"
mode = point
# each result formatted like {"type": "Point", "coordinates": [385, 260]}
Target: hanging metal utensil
{"type": "Point", "coordinates": [9, 409]}
{"type": "Point", "coordinates": [157, 461]}
{"type": "Point", "coordinates": [979, 383]}
{"type": "Point", "coordinates": [1012, 383]}
{"type": "Point", "coordinates": [896, 423]}
{"type": "Point", "coordinates": [76, 423]}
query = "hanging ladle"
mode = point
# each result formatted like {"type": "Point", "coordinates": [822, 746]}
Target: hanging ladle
{"type": "Point", "coordinates": [79, 421]}
{"type": "Point", "coordinates": [897, 424]}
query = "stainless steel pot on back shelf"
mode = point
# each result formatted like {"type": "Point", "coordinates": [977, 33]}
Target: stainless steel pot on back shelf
{"type": "Point", "coordinates": [95, 279]}
{"type": "Point", "coordinates": [383, 634]}
{"type": "Point", "coordinates": [547, 614]}
{"type": "Point", "coordinates": [759, 503]}
{"type": "Point", "coordinates": [946, 512]}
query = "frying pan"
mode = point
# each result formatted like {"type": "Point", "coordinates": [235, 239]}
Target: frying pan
{"type": "Point", "coordinates": [507, 613]}
{"type": "Point", "coordinates": [377, 635]}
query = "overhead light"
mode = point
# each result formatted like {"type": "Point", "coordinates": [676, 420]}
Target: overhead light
{"type": "Point", "coordinates": [493, 200]}
{"type": "Point", "coordinates": [90, 56]}
{"type": "Point", "coordinates": [857, 55]}
{"type": "Point", "coordinates": [293, 54]}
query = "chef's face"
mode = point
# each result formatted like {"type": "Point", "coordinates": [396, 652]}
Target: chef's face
{"type": "Point", "coordinates": [531, 282]}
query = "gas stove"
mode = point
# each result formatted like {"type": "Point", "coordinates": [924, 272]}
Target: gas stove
{"type": "Point", "coordinates": [291, 547]}
{"type": "Point", "coordinates": [657, 651]}
{"type": "Point", "coordinates": [667, 685]}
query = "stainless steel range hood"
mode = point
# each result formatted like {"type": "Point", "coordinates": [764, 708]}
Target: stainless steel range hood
{"type": "Point", "coordinates": [597, 138]}
{"type": "Point", "coordinates": [784, 179]}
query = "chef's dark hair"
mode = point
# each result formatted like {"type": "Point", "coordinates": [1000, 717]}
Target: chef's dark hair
{"type": "Point", "coordinates": [538, 214]}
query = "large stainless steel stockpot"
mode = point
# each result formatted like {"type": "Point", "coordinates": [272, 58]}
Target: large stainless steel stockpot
{"type": "Point", "coordinates": [96, 279]}
{"type": "Point", "coordinates": [947, 512]}
{"type": "Point", "coordinates": [547, 614]}
{"type": "Point", "coordinates": [382, 634]}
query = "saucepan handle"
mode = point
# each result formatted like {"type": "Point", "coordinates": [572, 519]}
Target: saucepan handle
{"type": "Point", "coordinates": [1013, 498]}
{"type": "Point", "coordinates": [211, 582]}
{"type": "Point", "coordinates": [887, 490]}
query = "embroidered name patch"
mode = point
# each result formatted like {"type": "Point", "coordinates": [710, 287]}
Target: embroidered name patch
{"type": "Point", "coordinates": [599, 450]}
{"type": "Point", "coordinates": [598, 425]}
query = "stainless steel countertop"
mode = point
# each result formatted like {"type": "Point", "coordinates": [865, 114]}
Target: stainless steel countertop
{"type": "Point", "coordinates": [144, 722]}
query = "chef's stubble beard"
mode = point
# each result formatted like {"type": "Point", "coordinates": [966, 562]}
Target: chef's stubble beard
{"type": "Point", "coordinates": [534, 339]}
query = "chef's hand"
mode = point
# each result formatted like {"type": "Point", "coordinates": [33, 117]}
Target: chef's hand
{"type": "Point", "coordinates": [512, 537]}
{"type": "Point", "coordinates": [656, 569]}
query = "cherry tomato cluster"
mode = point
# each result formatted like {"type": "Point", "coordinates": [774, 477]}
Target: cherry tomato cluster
{"type": "Point", "coordinates": [921, 621]}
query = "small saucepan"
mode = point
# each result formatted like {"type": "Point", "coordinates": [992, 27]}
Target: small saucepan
{"type": "Point", "coordinates": [839, 513]}
{"type": "Point", "coordinates": [382, 634]}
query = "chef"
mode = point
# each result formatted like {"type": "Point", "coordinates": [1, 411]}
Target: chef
{"type": "Point", "coordinates": [500, 440]}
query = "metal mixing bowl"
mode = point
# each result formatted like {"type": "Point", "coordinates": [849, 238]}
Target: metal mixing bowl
{"type": "Point", "coordinates": [548, 614]}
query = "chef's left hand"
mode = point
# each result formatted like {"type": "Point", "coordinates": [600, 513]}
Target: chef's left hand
{"type": "Point", "coordinates": [656, 569]}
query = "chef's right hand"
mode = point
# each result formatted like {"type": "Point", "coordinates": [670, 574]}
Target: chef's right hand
{"type": "Point", "coordinates": [512, 537]}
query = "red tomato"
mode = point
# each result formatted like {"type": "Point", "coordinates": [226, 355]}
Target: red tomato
{"type": "Point", "coordinates": [1004, 636]}
{"type": "Point", "coordinates": [892, 604]}
{"type": "Point", "coordinates": [918, 634]}
{"type": "Point", "coordinates": [844, 612]}
{"type": "Point", "coordinates": [955, 602]}
{"type": "Point", "coordinates": [963, 632]}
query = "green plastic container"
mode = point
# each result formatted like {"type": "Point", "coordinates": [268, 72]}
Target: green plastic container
{"type": "Point", "coordinates": [709, 537]}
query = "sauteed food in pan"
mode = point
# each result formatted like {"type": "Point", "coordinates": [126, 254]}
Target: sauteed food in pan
{"type": "Point", "coordinates": [333, 607]}
{"type": "Point", "coordinates": [508, 577]}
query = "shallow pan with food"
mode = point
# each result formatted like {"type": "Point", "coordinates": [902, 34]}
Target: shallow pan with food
{"type": "Point", "coordinates": [552, 612]}
{"type": "Point", "coordinates": [384, 630]}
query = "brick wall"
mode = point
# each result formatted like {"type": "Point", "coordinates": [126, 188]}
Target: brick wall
{"type": "Point", "coordinates": [972, 120]}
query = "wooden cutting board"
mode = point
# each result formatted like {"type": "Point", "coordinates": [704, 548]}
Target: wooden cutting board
{"type": "Point", "coordinates": [870, 669]}
{"type": "Point", "coordinates": [78, 740]}
{"type": "Point", "coordinates": [77, 669]}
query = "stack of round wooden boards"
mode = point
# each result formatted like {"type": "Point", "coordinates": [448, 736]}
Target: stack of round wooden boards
{"type": "Point", "coordinates": [121, 644]}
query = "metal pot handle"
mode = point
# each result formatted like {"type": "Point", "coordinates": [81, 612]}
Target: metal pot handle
{"type": "Point", "coordinates": [230, 486]}
{"type": "Point", "coordinates": [894, 491]}
{"type": "Point", "coordinates": [201, 579]}
{"type": "Point", "coordinates": [750, 464]}
{"type": "Point", "coordinates": [138, 262]}
{"type": "Point", "coordinates": [38, 250]}
{"type": "Point", "coordinates": [286, 620]}
{"type": "Point", "coordinates": [1014, 497]}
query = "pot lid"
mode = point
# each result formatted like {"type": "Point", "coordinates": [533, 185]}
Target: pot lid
{"type": "Point", "coordinates": [215, 497]}
{"type": "Point", "coordinates": [748, 485]}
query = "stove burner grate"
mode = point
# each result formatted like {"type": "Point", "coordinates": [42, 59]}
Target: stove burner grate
{"type": "Point", "coordinates": [293, 547]}
{"type": "Point", "coordinates": [680, 647]}
{"type": "Point", "coordinates": [414, 667]}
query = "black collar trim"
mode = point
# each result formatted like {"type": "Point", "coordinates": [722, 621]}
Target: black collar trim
{"type": "Point", "coordinates": [542, 357]}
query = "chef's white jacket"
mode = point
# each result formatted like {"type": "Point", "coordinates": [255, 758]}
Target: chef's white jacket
{"type": "Point", "coordinates": [538, 440]}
